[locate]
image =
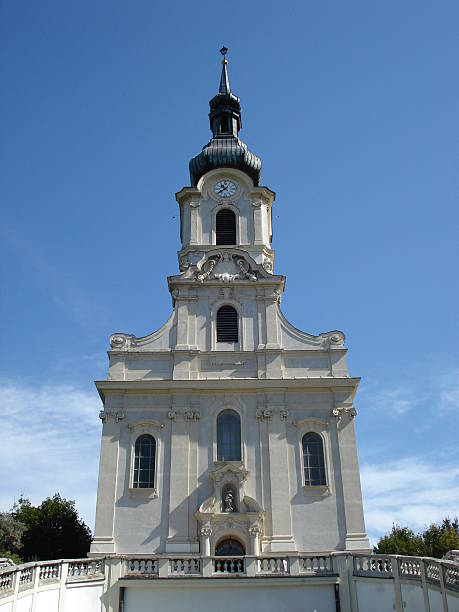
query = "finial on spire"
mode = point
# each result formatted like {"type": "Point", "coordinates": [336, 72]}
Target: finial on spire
{"type": "Point", "coordinates": [224, 80]}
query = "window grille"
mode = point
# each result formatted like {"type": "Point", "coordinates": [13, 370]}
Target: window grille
{"type": "Point", "coordinates": [227, 324]}
{"type": "Point", "coordinates": [144, 462]}
{"type": "Point", "coordinates": [225, 227]}
{"type": "Point", "coordinates": [314, 463]}
{"type": "Point", "coordinates": [228, 436]}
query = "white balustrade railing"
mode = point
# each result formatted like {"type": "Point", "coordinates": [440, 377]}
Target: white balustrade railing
{"type": "Point", "coordinates": [49, 572]}
{"type": "Point", "coordinates": [316, 564]}
{"type": "Point", "coordinates": [229, 565]}
{"type": "Point", "coordinates": [85, 569]}
{"type": "Point", "coordinates": [7, 580]}
{"type": "Point", "coordinates": [373, 565]}
{"type": "Point", "coordinates": [31, 577]}
{"type": "Point", "coordinates": [141, 567]}
{"type": "Point", "coordinates": [185, 566]}
{"type": "Point", "coordinates": [273, 566]}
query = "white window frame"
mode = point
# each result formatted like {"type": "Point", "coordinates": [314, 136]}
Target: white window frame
{"type": "Point", "coordinates": [138, 429]}
{"type": "Point", "coordinates": [321, 428]}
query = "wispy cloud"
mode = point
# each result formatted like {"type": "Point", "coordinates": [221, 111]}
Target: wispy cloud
{"type": "Point", "coordinates": [412, 491]}
{"type": "Point", "coordinates": [50, 443]}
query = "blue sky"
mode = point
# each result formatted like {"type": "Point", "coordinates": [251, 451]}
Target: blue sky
{"type": "Point", "coordinates": [352, 108]}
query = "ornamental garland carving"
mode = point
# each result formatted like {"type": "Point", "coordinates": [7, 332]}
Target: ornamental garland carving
{"type": "Point", "coordinates": [264, 415]}
{"type": "Point", "coordinates": [242, 269]}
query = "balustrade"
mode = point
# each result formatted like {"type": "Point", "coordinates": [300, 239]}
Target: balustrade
{"type": "Point", "coordinates": [409, 567]}
{"type": "Point", "coordinates": [229, 565]}
{"type": "Point", "coordinates": [185, 567]}
{"type": "Point", "coordinates": [273, 566]}
{"type": "Point", "coordinates": [370, 565]}
{"type": "Point", "coordinates": [316, 564]}
{"type": "Point", "coordinates": [451, 573]}
{"type": "Point", "coordinates": [85, 569]}
{"type": "Point", "coordinates": [26, 577]}
{"type": "Point", "coordinates": [49, 571]}
{"type": "Point", "coordinates": [7, 581]}
{"type": "Point", "coordinates": [142, 567]}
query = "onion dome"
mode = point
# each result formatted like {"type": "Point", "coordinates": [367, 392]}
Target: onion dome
{"type": "Point", "coordinates": [225, 150]}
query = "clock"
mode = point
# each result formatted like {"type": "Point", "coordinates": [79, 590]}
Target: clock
{"type": "Point", "coordinates": [225, 188]}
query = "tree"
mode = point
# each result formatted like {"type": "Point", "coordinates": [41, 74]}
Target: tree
{"type": "Point", "coordinates": [434, 541]}
{"type": "Point", "coordinates": [11, 532]}
{"type": "Point", "coordinates": [400, 541]}
{"type": "Point", "coordinates": [53, 530]}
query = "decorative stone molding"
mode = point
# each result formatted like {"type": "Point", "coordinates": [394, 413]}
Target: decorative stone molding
{"type": "Point", "coordinates": [146, 425]}
{"type": "Point", "coordinates": [310, 421]}
{"type": "Point", "coordinates": [115, 417]}
{"type": "Point", "coordinates": [340, 412]}
{"type": "Point", "coordinates": [172, 415]}
{"type": "Point", "coordinates": [264, 415]}
{"type": "Point", "coordinates": [283, 414]}
{"type": "Point", "coordinates": [206, 532]}
{"type": "Point", "coordinates": [254, 531]}
{"type": "Point", "coordinates": [336, 339]}
{"type": "Point", "coordinates": [192, 415]}
{"type": "Point", "coordinates": [268, 263]}
{"type": "Point", "coordinates": [122, 341]}
{"type": "Point", "coordinates": [237, 268]}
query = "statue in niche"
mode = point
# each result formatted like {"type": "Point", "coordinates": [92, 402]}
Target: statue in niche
{"type": "Point", "coordinates": [228, 501]}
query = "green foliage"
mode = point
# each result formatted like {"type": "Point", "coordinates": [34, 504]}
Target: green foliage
{"type": "Point", "coordinates": [11, 531]}
{"type": "Point", "coordinates": [53, 530]}
{"type": "Point", "coordinates": [434, 541]}
{"type": "Point", "coordinates": [10, 555]}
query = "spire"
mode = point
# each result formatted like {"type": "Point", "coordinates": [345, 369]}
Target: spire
{"type": "Point", "coordinates": [225, 150]}
{"type": "Point", "coordinates": [224, 79]}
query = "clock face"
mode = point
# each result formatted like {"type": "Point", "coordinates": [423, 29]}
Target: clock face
{"type": "Point", "coordinates": [225, 188]}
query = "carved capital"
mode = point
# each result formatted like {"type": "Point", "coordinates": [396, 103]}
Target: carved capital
{"type": "Point", "coordinates": [115, 417]}
{"type": "Point", "coordinates": [338, 413]}
{"type": "Point", "coordinates": [283, 414]}
{"type": "Point", "coordinates": [172, 415]}
{"type": "Point", "coordinates": [192, 415]}
{"type": "Point", "coordinates": [206, 532]}
{"type": "Point", "coordinates": [264, 415]}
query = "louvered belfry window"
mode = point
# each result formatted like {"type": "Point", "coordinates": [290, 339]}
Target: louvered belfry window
{"type": "Point", "coordinates": [227, 326]}
{"type": "Point", "coordinates": [225, 227]}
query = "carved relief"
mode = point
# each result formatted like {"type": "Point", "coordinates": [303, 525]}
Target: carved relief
{"type": "Point", "coordinates": [264, 415]}
{"type": "Point", "coordinates": [114, 416]}
{"type": "Point", "coordinates": [172, 415]}
{"type": "Point", "coordinates": [192, 415]}
{"type": "Point", "coordinates": [336, 338]}
{"type": "Point", "coordinates": [206, 532]}
{"type": "Point", "coordinates": [232, 265]}
{"type": "Point", "coordinates": [340, 412]}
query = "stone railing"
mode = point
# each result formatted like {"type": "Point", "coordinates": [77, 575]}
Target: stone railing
{"type": "Point", "coordinates": [437, 571]}
{"type": "Point", "coordinates": [347, 570]}
{"type": "Point", "coordinates": [180, 566]}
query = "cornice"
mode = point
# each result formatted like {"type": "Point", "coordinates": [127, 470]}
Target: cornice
{"type": "Point", "coordinates": [332, 384]}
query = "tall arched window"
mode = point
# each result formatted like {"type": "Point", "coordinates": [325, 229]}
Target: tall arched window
{"type": "Point", "coordinates": [313, 457]}
{"type": "Point", "coordinates": [227, 325]}
{"type": "Point", "coordinates": [225, 227]}
{"type": "Point", "coordinates": [228, 436]}
{"type": "Point", "coordinates": [144, 462]}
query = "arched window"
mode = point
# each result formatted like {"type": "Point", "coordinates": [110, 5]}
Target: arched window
{"type": "Point", "coordinates": [225, 227]}
{"type": "Point", "coordinates": [227, 325]}
{"type": "Point", "coordinates": [229, 548]}
{"type": "Point", "coordinates": [144, 462]}
{"type": "Point", "coordinates": [313, 457]}
{"type": "Point", "coordinates": [228, 436]}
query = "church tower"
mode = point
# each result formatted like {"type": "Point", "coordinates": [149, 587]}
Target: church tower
{"type": "Point", "coordinates": [227, 431]}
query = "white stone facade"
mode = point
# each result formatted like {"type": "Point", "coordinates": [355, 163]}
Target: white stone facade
{"type": "Point", "coordinates": [172, 385]}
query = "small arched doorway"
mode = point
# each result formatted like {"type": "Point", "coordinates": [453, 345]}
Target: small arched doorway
{"type": "Point", "coordinates": [229, 547]}
{"type": "Point", "coordinates": [232, 554]}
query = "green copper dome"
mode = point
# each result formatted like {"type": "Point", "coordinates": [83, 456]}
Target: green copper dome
{"type": "Point", "coordinates": [226, 149]}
